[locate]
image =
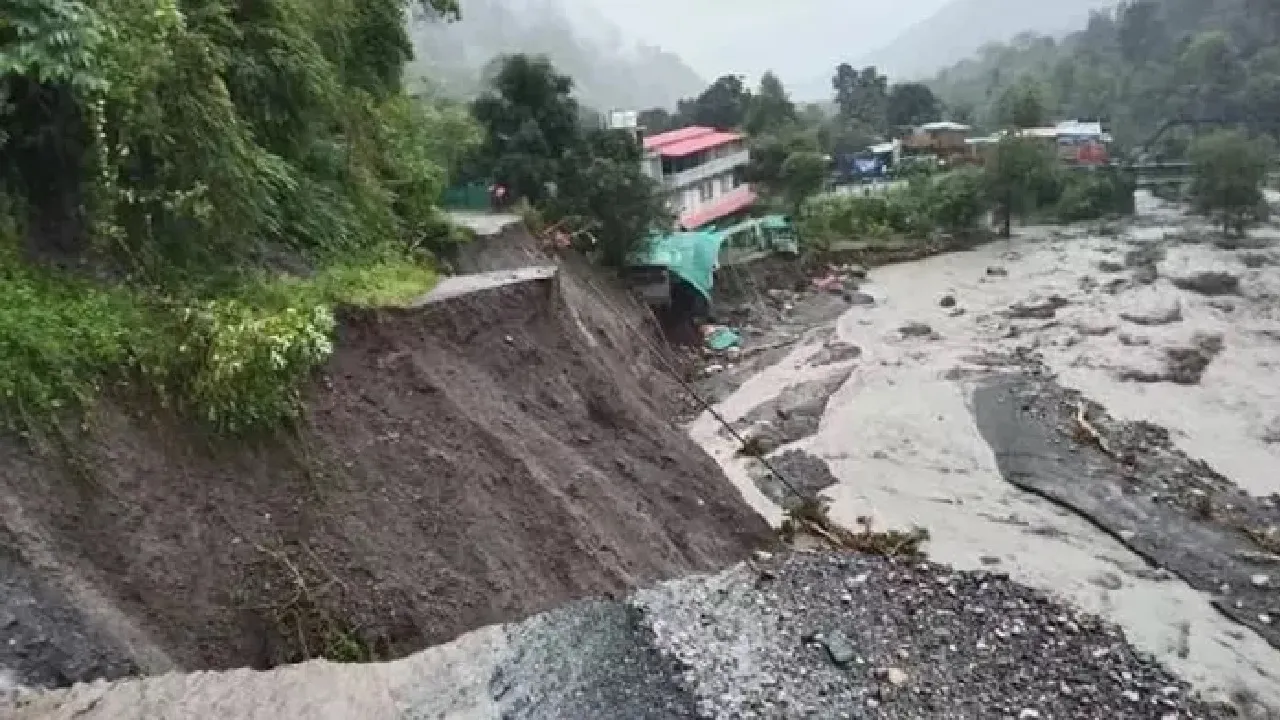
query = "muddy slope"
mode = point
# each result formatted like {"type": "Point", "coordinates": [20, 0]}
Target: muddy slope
{"type": "Point", "coordinates": [465, 463]}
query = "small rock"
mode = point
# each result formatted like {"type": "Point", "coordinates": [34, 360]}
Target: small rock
{"type": "Point", "coordinates": [1028, 714]}
{"type": "Point", "coordinates": [997, 271]}
{"type": "Point", "coordinates": [948, 301]}
{"type": "Point", "coordinates": [915, 329]}
{"type": "Point", "coordinates": [763, 555]}
{"type": "Point", "coordinates": [1146, 274]}
{"type": "Point", "coordinates": [856, 271]}
{"type": "Point", "coordinates": [897, 677]}
{"type": "Point", "coordinates": [1210, 282]}
{"type": "Point", "coordinates": [1260, 581]}
{"type": "Point", "coordinates": [838, 647]}
{"type": "Point", "coordinates": [1154, 316]}
{"type": "Point", "coordinates": [1110, 266]}
{"type": "Point", "coordinates": [860, 299]}
{"type": "Point", "coordinates": [1044, 309]}
{"type": "Point", "coordinates": [1131, 340]}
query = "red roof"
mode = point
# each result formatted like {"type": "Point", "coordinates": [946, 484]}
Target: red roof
{"type": "Point", "coordinates": [673, 136]}
{"type": "Point", "coordinates": [739, 199]}
{"type": "Point", "coordinates": [698, 144]}
{"type": "Point", "coordinates": [688, 141]}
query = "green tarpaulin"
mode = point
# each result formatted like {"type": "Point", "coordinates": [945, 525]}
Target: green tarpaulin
{"type": "Point", "coordinates": [692, 256]}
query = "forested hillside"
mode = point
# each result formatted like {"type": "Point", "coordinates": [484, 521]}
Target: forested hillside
{"type": "Point", "coordinates": [608, 71]}
{"type": "Point", "coordinates": [962, 27]}
{"type": "Point", "coordinates": [1149, 62]}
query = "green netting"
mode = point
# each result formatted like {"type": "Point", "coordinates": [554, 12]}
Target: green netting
{"type": "Point", "coordinates": [692, 256]}
{"type": "Point", "coordinates": [466, 197]}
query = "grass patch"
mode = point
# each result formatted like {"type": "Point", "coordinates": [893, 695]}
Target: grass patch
{"type": "Point", "coordinates": [236, 359]}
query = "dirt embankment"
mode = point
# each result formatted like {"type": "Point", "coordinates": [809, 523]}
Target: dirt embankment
{"type": "Point", "coordinates": [468, 462]}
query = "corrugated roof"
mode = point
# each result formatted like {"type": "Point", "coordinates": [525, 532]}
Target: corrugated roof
{"type": "Point", "coordinates": [945, 125]}
{"type": "Point", "coordinates": [739, 199]}
{"type": "Point", "coordinates": [654, 142]}
{"type": "Point", "coordinates": [697, 144]}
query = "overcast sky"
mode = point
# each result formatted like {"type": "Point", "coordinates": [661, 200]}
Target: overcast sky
{"type": "Point", "coordinates": [800, 39]}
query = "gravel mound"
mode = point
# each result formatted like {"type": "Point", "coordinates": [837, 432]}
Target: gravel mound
{"type": "Point", "coordinates": [829, 635]}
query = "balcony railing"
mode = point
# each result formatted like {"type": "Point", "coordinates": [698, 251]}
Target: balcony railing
{"type": "Point", "coordinates": [707, 170]}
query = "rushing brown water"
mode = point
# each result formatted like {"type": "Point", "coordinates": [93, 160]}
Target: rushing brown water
{"type": "Point", "coordinates": [901, 438]}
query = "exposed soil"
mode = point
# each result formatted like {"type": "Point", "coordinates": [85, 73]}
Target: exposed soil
{"type": "Point", "coordinates": [465, 463]}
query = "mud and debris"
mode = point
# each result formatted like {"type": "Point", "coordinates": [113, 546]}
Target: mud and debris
{"type": "Point", "coordinates": [1129, 480]}
{"type": "Point", "coordinates": [789, 635]}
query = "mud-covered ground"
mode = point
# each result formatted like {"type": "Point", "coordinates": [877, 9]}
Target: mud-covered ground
{"type": "Point", "coordinates": [958, 414]}
{"type": "Point", "coordinates": [805, 634]}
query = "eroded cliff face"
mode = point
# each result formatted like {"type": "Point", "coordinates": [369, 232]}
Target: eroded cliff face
{"type": "Point", "coordinates": [470, 461]}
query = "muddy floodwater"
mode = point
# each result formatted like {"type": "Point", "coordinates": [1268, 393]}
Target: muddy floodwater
{"type": "Point", "coordinates": [1155, 319]}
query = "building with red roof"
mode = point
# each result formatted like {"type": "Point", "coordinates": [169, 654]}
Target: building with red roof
{"type": "Point", "coordinates": [701, 167]}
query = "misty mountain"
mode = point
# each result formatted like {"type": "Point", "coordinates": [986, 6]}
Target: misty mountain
{"type": "Point", "coordinates": [608, 70]}
{"type": "Point", "coordinates": [962, 27]}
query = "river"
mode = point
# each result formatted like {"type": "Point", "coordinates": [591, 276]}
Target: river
{"type": "Point", "coordinates": [901, 437]}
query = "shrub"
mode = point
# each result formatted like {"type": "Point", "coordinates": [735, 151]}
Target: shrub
{"type": "Point", "coordinates": [1228, 169]}
{"type": "Point", "coordinates": [1095, 194]}
{"type": "Point", "coordinates": [956, 200]}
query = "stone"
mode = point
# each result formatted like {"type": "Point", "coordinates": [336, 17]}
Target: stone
{"type": "Point", "coordinates": [947, 301]}
{"type": "Point", "coordinates": [859, 299]}
{"type": "Point", "coordinates": [1210, 282]}
{"type": "Point", "coordinates": [997, 271]}
{"type": "Point", "coordinates": [1043, 309]}
{"type": "Point", "coordinates": [915, 329]}
{"type": "Point", "coordinates": [896, 676]}
{"type": "Point", "coordinates": [1186, 365]}
{"type": "Point", "coordinates": [1028, 714]}
{"type": "Point", "coordinates": [1152, 316]}
{"type": "Point", "coordinates": [1260, 581]}
{"type": "Point", "coordinates": [838, 646]}
{"type": "Point", "coordinates": [1131, 340]}
{"type": "Point", "coordinates": [1110, 266]}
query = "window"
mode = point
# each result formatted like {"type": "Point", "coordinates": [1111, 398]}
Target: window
{"type": "Point", "coordinates": [707, 190]}
{"type": "Point", "coordinates": [726, 183]}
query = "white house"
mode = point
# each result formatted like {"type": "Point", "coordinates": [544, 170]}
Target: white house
{"type": "Point", "coordinates": [701, 167]}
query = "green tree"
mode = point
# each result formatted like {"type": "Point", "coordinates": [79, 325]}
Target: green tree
{"type": "Point", "coordinates": [769, 152]}
{"type": "Point", "coordinates": [802, 176]}
{"type": "Point", "coordinates": [722, 105]}
{"type": "Point", "coordinates": [912, 104]}
{"type": "Point", "coordinates": [1013, 177]}
{"type": "Point", "coordinates": [656, 120]}
{"type": "Point", "coordinates": [1227, 174]}
{"type": "Point", "coordinates": [955, 200]}
{"type": "Point", "coordinates": [531, 122]}
{"type": "Point", "coordinates": [861, 96]}
{"type": "Point", "coordinates": [771, 109]}
{"type": "Point", "coordinates": [1022, 106]}
{"type": "Point", "coordinates": [614, 201]}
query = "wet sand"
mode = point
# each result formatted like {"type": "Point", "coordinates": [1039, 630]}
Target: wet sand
{"type": "Point", "coordinates": [901, 436]}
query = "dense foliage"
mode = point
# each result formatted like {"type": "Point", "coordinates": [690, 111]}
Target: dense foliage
{"type": "Point", "coordinates": [180, 150]}
{"type": "Point", "coordinates": [1228, 169]}
{"type": "Point", "coordinates": [585, 179]}
{"type": "Point", "coordinates": [1147, 65]}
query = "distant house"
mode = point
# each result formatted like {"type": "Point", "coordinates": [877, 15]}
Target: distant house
{"type": "Point", "coordinates": [701, 168]}
{"type": "Point", "coordinates": [943, 139]}
{"type": "Point", "coordinates": [1074, 142]}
